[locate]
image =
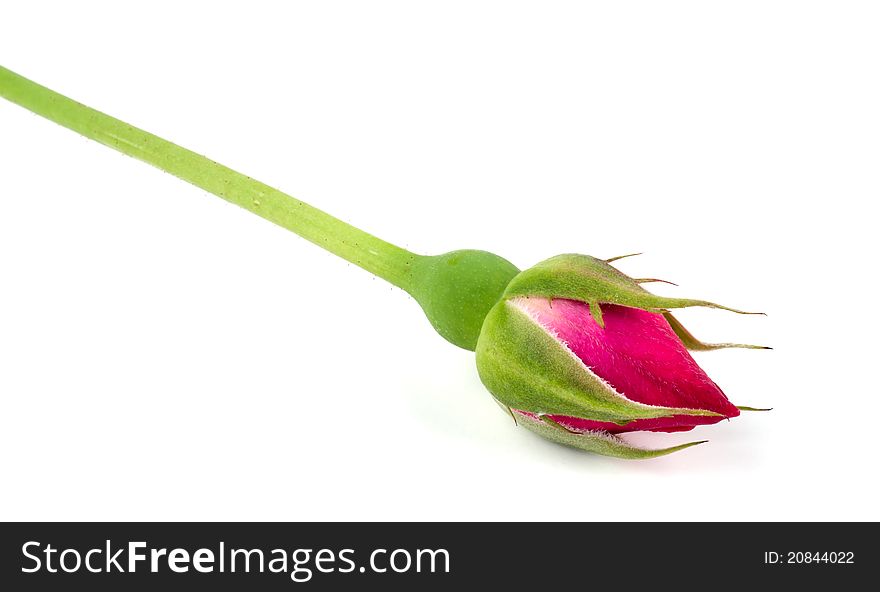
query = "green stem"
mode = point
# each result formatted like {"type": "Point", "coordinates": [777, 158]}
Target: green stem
{"type": "Point", "coordinates": [456, 290]}
{"type": "Point", "coordinates": [383, 259]}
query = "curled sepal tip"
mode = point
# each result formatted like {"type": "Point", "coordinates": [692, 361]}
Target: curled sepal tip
{"type": "Point", "coordinates": [694, 344]}
{"type": "Point", "coordinates": [597, 442]}
{"type": "Point", "coordinates": [655, 281]}
{"type": "Point", "coordinates": [619, 257]}
{"type": "Point", "coordinates": [587, 279]}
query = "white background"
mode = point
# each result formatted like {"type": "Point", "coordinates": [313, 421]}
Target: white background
{"type": "Point", "coordinates": [165, 355]}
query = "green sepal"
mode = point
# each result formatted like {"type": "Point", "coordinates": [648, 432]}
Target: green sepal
{"type": "Point", "coordinates": [590, 280]}
{"type": "Point", "coordinates": [597, 442]}
{"type": "Point", "coordinates": [527, 368]}
{"type": "Point", "coordinates": [694, 344]}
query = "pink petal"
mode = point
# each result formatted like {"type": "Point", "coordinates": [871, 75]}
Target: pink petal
{"type": "Point", "coordinates": [639, 355]}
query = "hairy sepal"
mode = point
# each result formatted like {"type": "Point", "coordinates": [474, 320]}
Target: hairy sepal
{"type": "Point", "coordinates": [694, 344]}
{"type": "Point", "coordinates": [528, 368]}
{"type": "Point", "coordinates": [591, 280]}
{"type": "Point", "coordinates": [596, 442]}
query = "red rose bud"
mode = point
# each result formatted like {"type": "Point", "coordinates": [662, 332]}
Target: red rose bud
{"type": "Point", "coordinates": [580, 352]}
{"type": "Point", "coordinates": [574, 349]}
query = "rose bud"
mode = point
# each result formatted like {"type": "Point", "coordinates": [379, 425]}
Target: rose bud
{"type": "Point", "coordinates": [579, 352]}
{"type": "Point", "coordinates": [574, 349]}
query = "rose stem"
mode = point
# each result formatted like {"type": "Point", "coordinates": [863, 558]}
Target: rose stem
{"type": "Point", "coordinates": [381, 258]}
{"type": "Point", "coordinates": [456, 289]}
